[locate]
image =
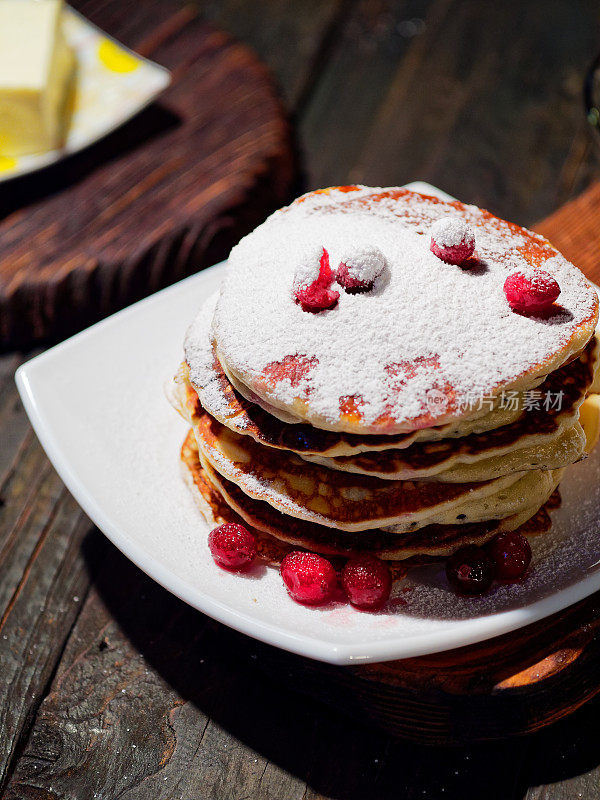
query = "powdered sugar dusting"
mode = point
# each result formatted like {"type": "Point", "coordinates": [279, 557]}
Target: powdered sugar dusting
{"type": "Point", "coordinates": [426, 326]}
{"type": "Point", "coordinates": [365, 264]}
{"type": "Point", "coordinates": [199, 355]}
{"type": "Point", "coordinates": [307, 269]}
{"type": "Point", "coordinates": [452, 231]}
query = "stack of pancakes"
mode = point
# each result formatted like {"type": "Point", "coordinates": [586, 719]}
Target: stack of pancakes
{"type": "Point", "coordinates": [408, 420]}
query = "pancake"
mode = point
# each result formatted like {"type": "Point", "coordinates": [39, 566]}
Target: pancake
{"type": "Point", "coordinates": [541, 438]}
{"type": "Point", "coordinates": [412, 352]}
{"type": "Point", "coordinates": [460, 466]}
{"type": "Point", "coordinates": [332, 498]}
{"type": "Point", "coordinates": [253, 417]}
{"type": "Point", "coordinates": [530, 491]}
{"type": "Point", "coordinates": [220, 500]}
{"type": "Point", "coordinates": [552, 444]}
{"type": "Point", "coordinates": [248, 394]}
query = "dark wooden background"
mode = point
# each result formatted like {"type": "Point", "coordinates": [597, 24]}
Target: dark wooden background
{"type": "Point", "coordinates": [110, 687]}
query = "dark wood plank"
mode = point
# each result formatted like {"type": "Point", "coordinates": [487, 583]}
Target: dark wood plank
{"type": "Point", "coordinates": [41, 610]}
{"type": "Point", "coordinates": [291, 37]}
{"type": "Point", "coordinates": [146, 704]}
{"type": "Point", "coordinates": [29, 489]}
{"type": "Point", "coordinates": [370, 47]}
{"type": "Point", "coordinates": [564, 761]}
{"type": "Point", "coordinates": [14, 425]}
{"type": "Point", "coordinates": [485, 102]}
{"type": "Point", "coordinates": [30, 495]}
{"type": "Point", "coordinates": [41, 529]}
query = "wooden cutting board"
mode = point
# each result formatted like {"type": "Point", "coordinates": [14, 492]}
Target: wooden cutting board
{"type": "Point", "coordinates": [162, 197]}
{"type": "Point", "coordinates": [509, 685]}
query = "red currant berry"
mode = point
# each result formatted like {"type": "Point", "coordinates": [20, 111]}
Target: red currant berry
{"type": "Point", "coordinates": [452, 240]}
{"type": "Point", "coordinates": [312, 287]}
{"type": "Point", "coordinates": [470, 570]}
{"type": "Point", "coordinates": [315, 298]}
{"type": "Point", "coordinates": [308, 577]}
{"type": "Point", "coordinates": [360, 268]}
{"type": "Point", "coordinates": [350, 283]}
{"type": "Point", "coordinates": [367, 581]}
{"type": "Point", "coordinates": [511, 553]}
{"type": "Point", "coordinates": [232, 546]}
{"type": "Point", "coordinates": [530, 294]}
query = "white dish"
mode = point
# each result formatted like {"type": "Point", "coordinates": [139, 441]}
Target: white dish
{"type": "Point", "coordinates": [112, 84]}
{"type": "Point", "coordinates": [97, 405]}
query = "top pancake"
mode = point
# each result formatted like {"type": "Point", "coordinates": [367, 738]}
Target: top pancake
{"type": "Point", "coordinates": [417, 349]}
{"type": "Point", "coordinates": [218, 396]}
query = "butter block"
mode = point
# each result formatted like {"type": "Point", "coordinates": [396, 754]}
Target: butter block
{"type": "Point", "coordinates": [36, 65]}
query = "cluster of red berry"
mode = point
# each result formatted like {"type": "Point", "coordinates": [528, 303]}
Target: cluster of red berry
{"type": "Point", "coordinates": [319, 295]}
{"type": "Point", "coordinates": [472, 569]}
{"type": "Point", "coordinates": [526, 294]}
{"type": "Point", "coordinates": [309, 578]}
{"type": "Point", "coordinates": [366, 580]}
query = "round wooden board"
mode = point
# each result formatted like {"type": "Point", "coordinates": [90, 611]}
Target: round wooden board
{"type": "Point", "coordinates": [511, 685]}
{"type": "Point", "coordinates": [162, 197]}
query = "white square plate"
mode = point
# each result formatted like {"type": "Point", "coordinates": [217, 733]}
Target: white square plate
{"type": "Point", "coordinates": [111, 85]}
{"type": "Point", "coordinates": [96, 402]}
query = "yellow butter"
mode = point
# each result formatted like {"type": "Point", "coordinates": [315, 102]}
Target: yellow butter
{"type": "Point", "coordinates": [36, 65]}
{"type": "Point", "coordinates": [589, 416]}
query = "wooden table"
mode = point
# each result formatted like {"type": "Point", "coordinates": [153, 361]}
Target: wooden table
{"type": "Point", "coordinates": [109, 686]}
